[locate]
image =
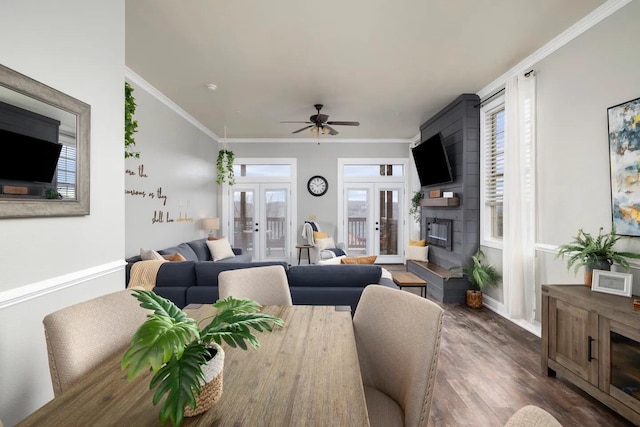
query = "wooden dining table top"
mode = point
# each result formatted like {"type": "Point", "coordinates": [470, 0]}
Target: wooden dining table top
{"type": "Point", "coordinates": [304, 374]}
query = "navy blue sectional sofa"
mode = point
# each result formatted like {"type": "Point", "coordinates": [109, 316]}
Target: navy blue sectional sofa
{"type": "Point", "coordinates": [195, 281]}
{"type": "Point", "coordinates": [190, 282]}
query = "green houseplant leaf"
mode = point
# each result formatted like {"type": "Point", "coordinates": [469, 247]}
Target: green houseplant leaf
{"type": "Point", "coordinates": [176, 348]}
{"type": "Point", "coordinates": [130, 124]}
{"type": "Point", "coordinates": [585, 249]}
{"type": "Point", "coordinates": [480, 275]}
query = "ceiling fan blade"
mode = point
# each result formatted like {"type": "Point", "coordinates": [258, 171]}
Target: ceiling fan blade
{"type": "Point", "coordinates": [344, 123]}
{"type": "Point", "coordinates": [296, 122]}
{"type": "Point", "coordinates": [304, 128]}
{"type": "Point", "coordinates": [332, 131]}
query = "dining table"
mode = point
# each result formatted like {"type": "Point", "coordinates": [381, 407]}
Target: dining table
{"type": "Point", "coordinates": [303, 374]}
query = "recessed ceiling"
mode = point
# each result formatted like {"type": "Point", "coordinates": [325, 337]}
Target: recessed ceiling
{"type": "Point", "coordinates": [388, 64]}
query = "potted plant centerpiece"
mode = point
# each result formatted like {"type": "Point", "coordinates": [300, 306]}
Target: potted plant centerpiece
{"type": "Point", "coordinates": [414, 210]}
{"type": "Point", "coordinates": [594, 253]}
{"type": "Point", "coordinates": [480, 276]}
{"type": "Point", "coordinates": [186, 358]}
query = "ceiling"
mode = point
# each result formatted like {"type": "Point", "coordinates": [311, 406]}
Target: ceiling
{"type": "Point", "coordinates": [390, 65]}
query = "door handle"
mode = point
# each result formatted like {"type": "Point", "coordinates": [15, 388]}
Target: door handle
{"type": "Point", "coordinates": [255, 229]}
{"type": "Point", "coordinates": [589, 352]}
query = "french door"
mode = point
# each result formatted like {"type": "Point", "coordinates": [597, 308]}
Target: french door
{"type": "Point", "coordinates": [374, 214]}
{"type": "Point", "coordinates": [261, 220]}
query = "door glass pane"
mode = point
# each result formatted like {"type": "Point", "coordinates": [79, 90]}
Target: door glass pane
{"type": "Point", "coordinates": [357, 226]}
{"type": "Point", "coordinates": [244, 220]}
{"type": "Point", "coordinates": [389, 216]}
{"type": "Point", "coordinates": [275, 202]}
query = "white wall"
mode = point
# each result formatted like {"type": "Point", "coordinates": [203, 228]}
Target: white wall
{"type": "Point", "coordinates": [180, 159]}
{"type": "Point", "coordinates": [575, 86]}
{"type": "Point", "coordinates": [77, 47]}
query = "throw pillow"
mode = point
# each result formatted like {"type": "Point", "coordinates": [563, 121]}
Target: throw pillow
{"type": "Point", "coordinates": [149, 255]}
{"type": "Point", "coordinates": [335, 260]}
{"type": "Point", "coordinates": [174, 257]}
{"type": "Point", "coordinates": [422, 242]}
{"type": "Point", "coordinates": [220, 249]}
{"type": "Point", "coordinates": [326, 243]}
{"type": "Point", "coordinates": [320, 235]}
{"type": "Point", "coordinates": [359, 260]}
{"type": "Point", "coordinates": [418, 253]}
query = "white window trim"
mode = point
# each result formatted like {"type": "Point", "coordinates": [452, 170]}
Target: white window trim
{"type": "Point", "coordinates": [485, 217]}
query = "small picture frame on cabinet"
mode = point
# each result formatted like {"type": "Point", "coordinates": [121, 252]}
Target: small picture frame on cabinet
{"type": "Point", "coordinates": [612, 282]}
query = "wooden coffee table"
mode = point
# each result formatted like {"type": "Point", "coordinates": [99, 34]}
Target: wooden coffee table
{"type": "Point", "coordinates": [405, 279]}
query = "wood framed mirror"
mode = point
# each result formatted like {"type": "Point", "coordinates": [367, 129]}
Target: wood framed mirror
{"type": "Point", "coordinates": [44, 150]}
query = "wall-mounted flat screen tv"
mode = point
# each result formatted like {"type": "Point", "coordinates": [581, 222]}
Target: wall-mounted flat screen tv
{"type": "Point", "coordinates": [432, 162]}
{"type": "Point", "coordinates": [24, 158]}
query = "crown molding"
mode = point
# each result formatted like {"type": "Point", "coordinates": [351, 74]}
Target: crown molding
{"type": "Point", "coordinates": [138, 80]}
{"type": "Point", "coordinates": [320, 141]}
{"type": "Point", "coordinates": [586, 23]}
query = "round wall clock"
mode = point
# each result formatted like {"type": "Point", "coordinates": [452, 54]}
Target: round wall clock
{"type": "Point", "coordinates": [317, 185]}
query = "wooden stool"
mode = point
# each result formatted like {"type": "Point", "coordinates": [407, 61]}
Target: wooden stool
{"type": "Point", "coordinates": [404, 279]}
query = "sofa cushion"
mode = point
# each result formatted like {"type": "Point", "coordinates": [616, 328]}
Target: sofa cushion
{"type": "Point", "coordinates": [207, 271]}
{"type": "Point", "coordinates": [333, 275]}
{"type": "Point", "coordinates": [200, 248]}
{"type": "Point", "coordinates": [220, 249]}
{"type": "Point", "coordinates": [183, 249]}
{"type": "Point", "coordinates": [150, 255]}
{"type": "Point", "coordinates": [176, 274]}
{"type": "Point", "coordinates": [370, 259]}
{"type": "Point", "coordinates": [174, 257]}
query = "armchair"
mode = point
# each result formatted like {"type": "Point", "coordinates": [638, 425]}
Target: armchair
{"type": "Point", "coordinates": [322, 247]}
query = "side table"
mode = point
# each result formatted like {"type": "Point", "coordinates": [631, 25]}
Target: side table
{"type": "Point", "coordinates": [405, 279]}
{"type": "Point", "coordinates": [300, 248]}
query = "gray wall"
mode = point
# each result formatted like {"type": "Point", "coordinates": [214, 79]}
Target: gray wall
{"type": "Point", "coordinates": [314, 159]}
{"type": "Point", "coordinates": [76, 47]}
{"type": "Point", "coordinates": [180, 159]}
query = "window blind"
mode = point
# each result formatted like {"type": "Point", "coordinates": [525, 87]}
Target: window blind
{"type": "Point", "coordinates": [494, 156]}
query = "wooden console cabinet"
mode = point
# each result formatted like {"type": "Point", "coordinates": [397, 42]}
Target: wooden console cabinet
{"type": "Point", "coordinates": [593, 340]}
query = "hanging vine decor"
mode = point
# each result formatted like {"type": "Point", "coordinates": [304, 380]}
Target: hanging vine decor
{"type": "Point", "coordinates": [225, 167]}
{"type": "Point", "coordinates": [130, 125]}
{"type": "Point", "coordinates": [415, 205]}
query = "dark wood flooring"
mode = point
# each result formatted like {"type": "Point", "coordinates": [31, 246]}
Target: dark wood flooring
{"type": "Point", "coordinates": [489, 368]}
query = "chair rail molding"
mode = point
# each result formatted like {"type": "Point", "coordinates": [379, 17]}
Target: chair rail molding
{"type": "Point", "coordinates": [34, 290]}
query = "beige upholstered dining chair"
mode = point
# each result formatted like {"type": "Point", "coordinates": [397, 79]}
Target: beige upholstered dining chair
{"type": "Point", "coordinates": [398, 341]}
{"type": "Point", "coordinates": [532, 416]}
{"type": "Point", "coordinates": [266, 285]}
{"type": "Point", "coordinates": [82, 336]}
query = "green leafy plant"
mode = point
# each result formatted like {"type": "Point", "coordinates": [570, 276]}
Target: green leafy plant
{"type": "Point", "coordinates": [585, 250]}
{"type": "Point", "coordinates": [415, 205]}
{"type": "Point", "coordinates": [480, 275]}
{"type": "Point", "coordinates": [224, 165]}
{"type": "Point", "coordinates": [52, 193]}
{"type": "Point", "coordinates": [130, 125]}
{"type": "Point", "coordinates": [176, 346]}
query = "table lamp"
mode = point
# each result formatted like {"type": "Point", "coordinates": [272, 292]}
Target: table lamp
{"type": "Point", "coordinates": [211, 224]}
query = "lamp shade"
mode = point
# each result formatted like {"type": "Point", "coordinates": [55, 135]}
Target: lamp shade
{"type": "Point", "coordinates": [210, 223]}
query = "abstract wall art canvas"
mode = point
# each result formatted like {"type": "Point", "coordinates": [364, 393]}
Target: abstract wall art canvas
{"type": "Point", "coordinates": [624, 155]}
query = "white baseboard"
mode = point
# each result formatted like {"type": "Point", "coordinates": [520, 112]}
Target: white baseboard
{"type": "Point", "coordinates": [499, 308]}
{"type": "Point", "coordinates": [38, 289]}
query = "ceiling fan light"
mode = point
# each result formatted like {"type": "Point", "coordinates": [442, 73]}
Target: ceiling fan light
{"type": "Point", "coordinates": [326, 130]}
{"type": "Point", "coordinates": [314, 131]}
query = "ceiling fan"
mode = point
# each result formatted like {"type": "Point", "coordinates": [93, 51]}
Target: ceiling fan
{"type": "Point", "coordinates": [318, 123]}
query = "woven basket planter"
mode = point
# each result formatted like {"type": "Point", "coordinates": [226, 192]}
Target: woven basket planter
{"type": "Point", "coordinates": [474, 299]}
{"type": "Point", "coordinates": [211, 388]}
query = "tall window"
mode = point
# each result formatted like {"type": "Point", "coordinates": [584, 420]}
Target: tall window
{"type": "Point", "coordinates": [492, 140]}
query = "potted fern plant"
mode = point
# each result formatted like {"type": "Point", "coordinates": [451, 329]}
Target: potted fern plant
{"type": "Point", "coordinates": [594, 253]}
{"type": "Point", "coordinates": [186, 356]}
{"type": "Point", "coordinates": [480, 276]}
